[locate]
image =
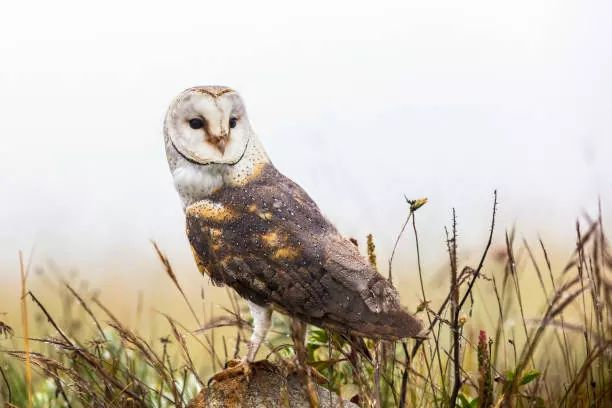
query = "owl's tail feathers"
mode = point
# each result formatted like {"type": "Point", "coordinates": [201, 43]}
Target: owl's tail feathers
{"type": "Point", "coordinates": [384, 316]}
{"type": "Point", "coordinates": [402, 325]}
{"type": "Point", "coordinates": [392, 325]}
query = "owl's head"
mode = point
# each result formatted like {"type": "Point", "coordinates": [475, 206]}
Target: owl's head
{"type": "Point", "coordinates": [208, 124]}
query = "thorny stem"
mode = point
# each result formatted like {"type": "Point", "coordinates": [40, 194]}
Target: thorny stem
{"type": "Point", "coordinates": [455, 328]}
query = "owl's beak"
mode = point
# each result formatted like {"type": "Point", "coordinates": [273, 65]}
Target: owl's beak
{"type": "Point", "coordinates": [219, 141]}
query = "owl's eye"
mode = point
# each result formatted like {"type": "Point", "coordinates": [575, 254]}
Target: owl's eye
{"type": "Point", "coordinates": [232, 122]}
{"type": "Point", "coordinates": [196, 123]}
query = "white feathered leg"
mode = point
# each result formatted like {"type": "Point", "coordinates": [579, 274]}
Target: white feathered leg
{"type": "Point", "coordinates": [262, 319]}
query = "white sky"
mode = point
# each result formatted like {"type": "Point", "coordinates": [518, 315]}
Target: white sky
{"type": "Point", "coordinates": [358, 103]}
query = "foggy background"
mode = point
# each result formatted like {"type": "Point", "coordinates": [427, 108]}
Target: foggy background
{"type": "Point", "coordinates": [360, 103]}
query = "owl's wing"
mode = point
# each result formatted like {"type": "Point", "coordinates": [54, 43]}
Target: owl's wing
{"type": "Point", "coordinates": [269, 241]}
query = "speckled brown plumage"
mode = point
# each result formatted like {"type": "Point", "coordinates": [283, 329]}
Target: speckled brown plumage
{"type": "Point", "coordinates": [268, 240]}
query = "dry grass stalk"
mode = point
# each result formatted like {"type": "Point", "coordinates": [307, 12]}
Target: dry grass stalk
{"type": "Point", "coordinates": [170, 272]}
{"type": "Point", "coordinates": [26, 327]}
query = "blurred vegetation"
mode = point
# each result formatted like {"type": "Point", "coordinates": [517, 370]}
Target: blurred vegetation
{"type": "Point", "coordinates": [486, 344]}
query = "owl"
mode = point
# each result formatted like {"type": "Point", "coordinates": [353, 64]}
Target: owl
{"type": "Point", "coordinates": [253, 229]}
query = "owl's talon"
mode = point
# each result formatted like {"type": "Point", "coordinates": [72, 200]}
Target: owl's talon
{"type": "Point", "coordinates": [233, 363]}
{"type": "Point", "coordinates": [234, 368]}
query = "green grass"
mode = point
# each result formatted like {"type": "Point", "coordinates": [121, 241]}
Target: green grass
{"type": "Point", "coordinates": [511, 330]}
